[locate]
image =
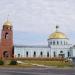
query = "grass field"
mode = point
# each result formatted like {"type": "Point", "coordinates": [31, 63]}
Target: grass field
{"type": "Point", "coordinates": [48, 63]}
{"type": "Point", "coordinates": [43, 63]}
{"type": "Point", "coordinates": [57, 63]}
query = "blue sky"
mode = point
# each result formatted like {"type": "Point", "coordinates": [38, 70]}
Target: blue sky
{"type": "Point", "coordinates": [34, 20]}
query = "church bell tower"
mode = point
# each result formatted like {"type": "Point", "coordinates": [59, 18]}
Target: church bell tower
{"type": "Point", "coordinates": [7, 40]}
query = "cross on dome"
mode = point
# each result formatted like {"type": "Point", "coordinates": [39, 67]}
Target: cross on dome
{"type": "Point", "coordinates": [57, 27]}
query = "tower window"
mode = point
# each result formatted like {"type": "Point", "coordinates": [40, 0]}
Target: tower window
{"type": "Point", "coordinates": [10, 28]}
{"type": "Point", "coordinates": [6, 35]}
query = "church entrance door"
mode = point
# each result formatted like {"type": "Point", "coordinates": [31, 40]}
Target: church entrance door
{"type": "Point", "coordinates": [61, 55]}
{"type": "Point", "coordinates": [5, 54]}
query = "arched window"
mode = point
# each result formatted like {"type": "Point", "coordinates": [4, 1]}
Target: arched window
{"type": "Point", "coordinates": [18, 55]}
{"type": "Point", "coordinates": [68, 54]}
{"type": "Point", "coordinates": [53, 42]}
{"type": "Point", "coordinates": [6, 35]}
{"type": "Point", "coordinates": [34, 55]}
{"type": "Point", "coordinates": [41, 53]}
{"type": "Point", "coordinates": [47, 54]}
{"type": "Point", "coordinates": [61, 51]}
{"type": "Point", "coordinates": [61, 42]}
{"type": "Point", "coordinates": [54, 54]}
{"type": "Point", "coordinates": [57, 43]}
{"type": "Point", "coordinates": [27, 54]}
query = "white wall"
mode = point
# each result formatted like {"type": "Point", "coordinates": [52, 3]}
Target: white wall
{"type": "Point", "coordinates": [22, 51]}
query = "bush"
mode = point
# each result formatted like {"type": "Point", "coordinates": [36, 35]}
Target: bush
{"type": "Point", "coordinates": [13, 62]}
{"type": "Point", "coordinates": [1, 62]}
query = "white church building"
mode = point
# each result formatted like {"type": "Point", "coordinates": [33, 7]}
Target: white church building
{"type": "Point", "coordinates": [58, 47]}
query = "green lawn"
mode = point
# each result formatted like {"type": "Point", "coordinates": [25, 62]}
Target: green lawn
{"type": "Point", "coordinates": [49, 63]}
{"type": "Point", "coordinates": [34, 63]}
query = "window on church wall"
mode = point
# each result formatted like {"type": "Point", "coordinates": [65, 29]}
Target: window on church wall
{"type": "Point", "coordinates": [27, 54]}
{"type": "Point", "coordinates": [61, 51]}
{"type": "Point", "coordinates": [53, 42]}
{"type": "Point", "coordinates": [54, 54]}
{"type": "Point", "coordinates": [61, 42]}
{"type": "Point", "coordinates": [57, 43]}
{"type": "Point", "coordinates": [47, 54]}
{"type": "Point", "coordinates": [19, 55]}
{"type": "Point", "coordinates": [68, 54]}
{"type": "Point", "coordinates": [34, 55]}
{"type": "Point", "coordinates": [41, 54]}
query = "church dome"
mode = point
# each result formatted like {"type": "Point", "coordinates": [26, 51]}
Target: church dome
{"type": "Point", "coordinates": [57, 35]}
{"type": "Point", "coordinates": [7, 23]}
